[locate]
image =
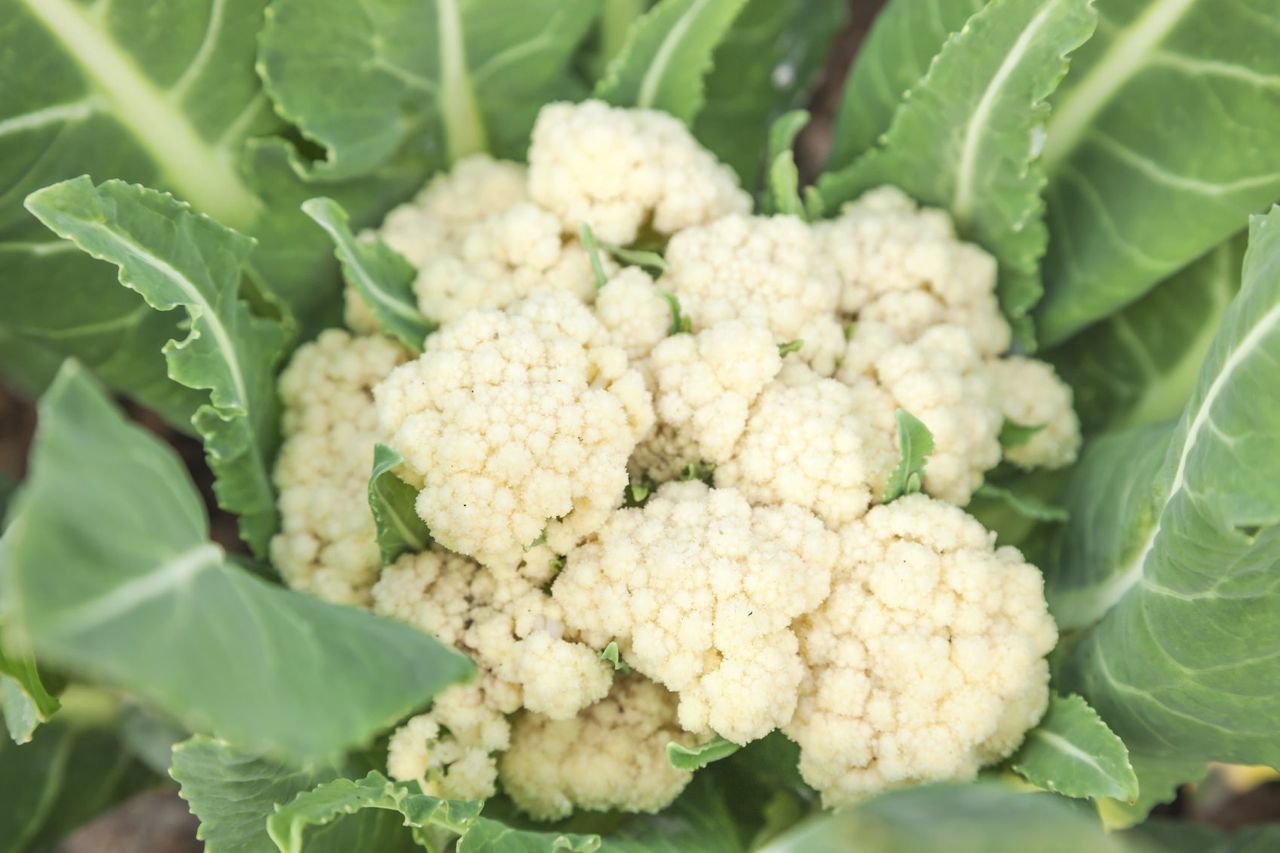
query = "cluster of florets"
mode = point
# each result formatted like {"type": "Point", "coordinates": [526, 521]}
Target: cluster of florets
{"type": "Point", "coordinates": [685, 463]}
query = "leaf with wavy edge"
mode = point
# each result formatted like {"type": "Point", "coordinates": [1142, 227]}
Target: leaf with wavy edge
{"type": "Point", "coordinates": [1165, 576]}
{"type": "Point", "coordinates": [668, 55]}
{"type": "Point", "coordinates": [1072, 752]}
{"type": "Point", "coordinates": [174, 257]}
{"type": "Point", "coordinates": [391, 500]}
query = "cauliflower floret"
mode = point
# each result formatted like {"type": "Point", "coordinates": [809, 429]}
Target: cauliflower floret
{"type": "Point", "coordinates": [474, 189]}
{"type": "Point", "coordinates": [504, 621]}
{"type": "Point", "coordinates": [940, 379]}
{"type": "Point", "coordinates": [705, 385]}
{"type": "Point", "coordinates": [613, 755]}
{"type": "Point", "coordinates": [518, 422]}
{"type": "Point", "coordinates": [449, 750]}
{"type": "Point", "coordinates": [500, 259]}
{"type": "Point", "coordinates": [700, 589]}
{"type": "Point", "coordinates": [764, 270]}
{"type": "Point", "coordinates": [927, 659]}
{"type": "Point", "coordinates": [618, 170]}
{"type": "Point", "coordinates": [903, 266]}
{"type": "Point", "coordinates": [1031, 394]}
{"type": "Point", "coordinates": [326, 544]}
{"type": "Point", "coordinates": [809, 442]}
{"type": "Point", "coordinates": [634, 311]}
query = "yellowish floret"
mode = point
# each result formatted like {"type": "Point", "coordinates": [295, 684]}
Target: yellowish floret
{"type": "Point", "coordinates": [613, 755]}
{"type": "Point", "coordinates": [326, 544]}
{"type": "Point", "coordinates": [699, 589]}
{"type": "Point", "coordinates": [1032, 395]}
{"type": "Point", "coordinates": [449, 751]}
{"type": "Point", "coordinates": [619, 170]}
{"type": "Point", "coordinates": [519, 423]}
{"type": "Point", "coordinates": [927, 659]}
{"type": "Point", "coordinates": [634, 312]}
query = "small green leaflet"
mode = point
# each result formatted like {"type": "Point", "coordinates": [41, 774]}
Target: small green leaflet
{"type": "Point", "coordinates": [433, 80]}
{"type": "Point", "coordinates": [1013, 434]}
{"type": "Point", "coordinates": [122, 586]}
{"type": "Point", "coordinates": [24, 698]}
{"type": "Point", "coordinates": [785, 349]}
{"type": "Point", "coordinates": [680, 321]}
{"type": "Point", "coordinates": [784, 177]}
{"type": "Point", "coordinates": [177, 258]}
{"type": "Point", "coordinates": [667, 57]}
{"type": "Point", "coordinates": [915, 443]}
{"type": "Point", "coordinates": [637, 257]}
{"type": "Point", "coordinates": [1072, 752]}
{"type": "Point", "coordinates": [965, 137]}
{"type": "Point", "coordinates": [382, 277]}
{"type": "Point", "coordinates": [391, 500]}
{"type": "Point", "coordinates": [699, 470]}
{"type": "Point", "coordinates": [613, 656]}
{"type": "Point", "coordinates": [696, 757]}
{"type": "Point", "coordinates": [638, 492]}
{"type": "Point", "coordinates": [593, 252]}
{"type": "Point", "coordinates": [1025, 505]}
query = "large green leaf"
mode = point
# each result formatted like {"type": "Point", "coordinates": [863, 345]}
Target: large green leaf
{"type": "Point", "coordinates": [1165, 578]}
{"type": "Point", "coordinates": [162, 94]}
{"type": "Point", "coordinates": [379, 274]}
{"type": "Point", "coordinates": [59, 781]}
{"type": "Point", "coordinates": [765, 65]}
{"type": "Point", "coordinates": [895, 55]}
{"type": "Point", "coordinates": [439, 78]}
{"type": "Point", "coordinates": [959, 818]}
{"type": "Point", "coordinates": [1139, 365]}
{"type": "Point", "coordinates": [174, 257]}
{"type": "Point", "coordinates": [668, 56]}
{"type": "Point", "coordinates": [109, 574]}
{"type": "Point", "coordinates": [1072, 752]}
{"type": "Point", "coordinates": [1137, 187]}
{"type": "Point", "coordinates": [965, 138]}
{"type": "Point", "coordinates": [234, 795]}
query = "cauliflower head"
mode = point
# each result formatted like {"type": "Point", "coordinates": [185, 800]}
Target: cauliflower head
{"type": "Point", "coordinates": [927, 659]}
{"type": "Point", "coordinates": [700, 588]}
{"type": "Point", "coordinates": [516, 420]}
{"type": "Point", "coordinates": [1031, 394]}
{"type": "Point", "coordinates": [769, 271]}
{"type": "Point", "coordinates": [613, 755]}
{"type": "Point", "coordinates": [619, 170]}
{"type": "Point", "coordinates": [326, 544]}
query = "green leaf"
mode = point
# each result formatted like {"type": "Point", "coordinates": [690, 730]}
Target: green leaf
{"type": "Point", "coordinates": [1136, 191]}
{"type": "Point", "coordinates": [785, 349]}
{"type": "Point", "coordinates": [979, 817]}
{"type": "Point", "coordinates": [767, 64]}
{"type": "Point", "coordinates": [668, 57]}
{"type": "Point", "coordinates": [24, 698]}
{"type": "Point", "coordinates": [696, 757]}
{"type": "Point", "coordinates": [636, 257]}
{"type": "Point", "coordinates": [1165, 573]}
{"type": "Point", "coordinates": [1072, 752]}
{"type": "Point", "coordinates": [680, 321]}
{"type": "Point", "coordinates": [176, 258]}
{"type": "Point", "coordinates": [400, 529]}
{"type": "Point", "coordinates": [915, 443]}
{"type": "Point", "coordinates": [611, 654]}
{"type": "Point", "coordinates": [1183, 836]}
{"type": "Point", "coordinates": [1025, 505]}
{"type": "Point", "coordinates": [63, 778]}
{"type": "Point", "coordinates": [434, 79]}
{"type": "Point", "coordinates": [1015, 434]}
{"type": "Point", "coordinates": [965, 137]}
{"type": "Point", "coordinates": [588, 238]}
{"type": "Point", "coordinates": [784, 177]}
{"type": "Point", "coordinates": [1139, 366]}
{"type": "Point", "coordinates": [904, 38]}
{"type": "Point", "coordinates": [326, 804]}
{"type": "Point", "coordinates": [109, 574]}
{"type": "Point", "coordinates": [382, 277]}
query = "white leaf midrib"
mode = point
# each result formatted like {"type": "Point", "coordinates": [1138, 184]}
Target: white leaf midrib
{"type": "Point", "coordinates": [666, 50]}
{"type": "Point", "coordinates": [202, 174]}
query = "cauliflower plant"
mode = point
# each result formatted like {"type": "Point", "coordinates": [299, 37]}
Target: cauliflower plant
{"type": "Point", "coordinates": [690, 461]}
